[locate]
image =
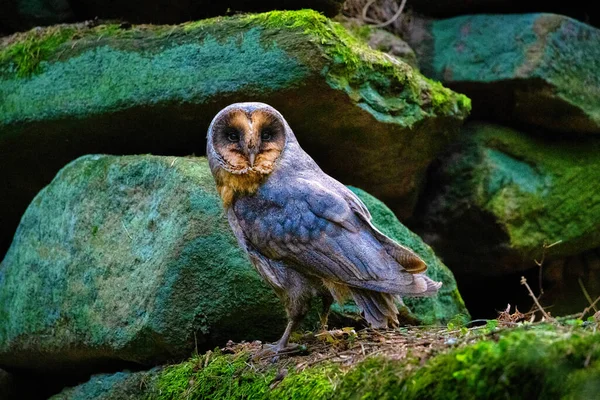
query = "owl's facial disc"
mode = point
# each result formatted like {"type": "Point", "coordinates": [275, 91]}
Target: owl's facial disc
{"type": "Point", "coordinates": [249, 141]}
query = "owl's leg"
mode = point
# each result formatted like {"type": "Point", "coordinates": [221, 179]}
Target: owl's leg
{"type": "Point", "coordinates": [297, 304]}
{"type": "Point", "coordinates": [327, 301]}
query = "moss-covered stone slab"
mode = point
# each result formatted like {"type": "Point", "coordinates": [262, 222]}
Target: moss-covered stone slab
{"type": "Point", "coordinates": [541, 362]}
{"type": "Point", "coordinates": [503, 199]}
{"type": "Point", "coordinates": [537, 69]}
{"type": "Point", "coordinates": [368, 119]}
{"type": "Point", "coordinates": [131, 259]}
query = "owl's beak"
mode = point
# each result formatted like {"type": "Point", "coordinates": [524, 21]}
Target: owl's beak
{"type": "Point", "coordinates": [251, 157]}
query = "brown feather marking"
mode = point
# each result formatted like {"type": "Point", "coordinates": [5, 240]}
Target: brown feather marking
{"type": "Point", "coordinates": [413, 264]}
{"type": "Point", "coordinates": [239, 120]}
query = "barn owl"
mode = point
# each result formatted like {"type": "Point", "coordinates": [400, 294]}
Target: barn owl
{"type": "Point", "coordinates": [305, 233]}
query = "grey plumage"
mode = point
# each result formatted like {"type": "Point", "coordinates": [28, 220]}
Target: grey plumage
{"type": "Point", "coordinates": [307, 234]}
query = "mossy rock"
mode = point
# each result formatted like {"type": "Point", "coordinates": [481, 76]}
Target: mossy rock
{"type": "Point", "coordinates": [369, 120]}
{"type": "Point", "coordinates": [502, 199]}
{"type": "Point", "coordinates": [535, 69]}
{"type": "Point", "coordinates": [131, 260]}
{"type": "Point", "coordinates": [535, 363]}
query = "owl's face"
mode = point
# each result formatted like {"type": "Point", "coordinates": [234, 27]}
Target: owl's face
{"type": "Point", "coordinates": [248, 138]}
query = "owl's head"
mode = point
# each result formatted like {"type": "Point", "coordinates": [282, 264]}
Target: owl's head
{"type": "Point", "coordinates": [246, 139]}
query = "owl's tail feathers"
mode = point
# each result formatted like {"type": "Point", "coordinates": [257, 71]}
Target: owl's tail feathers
{"type": "Point", "coordinates": [379, 309]}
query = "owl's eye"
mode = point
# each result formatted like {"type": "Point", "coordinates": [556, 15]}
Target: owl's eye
{"type": "Point", "coordinates": [266, 135]}
{"type": "Point", "coordinates": [232, 135]}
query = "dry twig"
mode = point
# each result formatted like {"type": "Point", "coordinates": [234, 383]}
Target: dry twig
{"type": "Point", "coordinates": [587, 309]}
{"type": "Point", "coordinates": [382, 24]}
{"type": "Point", "coordinates": [535, 300]}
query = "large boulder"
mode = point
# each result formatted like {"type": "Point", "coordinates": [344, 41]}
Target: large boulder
{"type": "Point", "coordinates": [130, 259]}
{"type": "Point", "coordinates": [66, 91]}
{"type": "Point", "coordinates": [535, 69]}
{"type": "Point", "coordinates": [502, 199]}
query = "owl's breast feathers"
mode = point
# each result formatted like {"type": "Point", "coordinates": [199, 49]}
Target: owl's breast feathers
{"type": "Point", "coordinates": [320, 228]}
{"type": "Point", "coordinates": [228, 184]}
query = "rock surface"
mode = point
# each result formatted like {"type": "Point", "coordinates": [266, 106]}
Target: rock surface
{"type": "Point", "coordinates": [366, 118]}
{"type": "Point", "coordinates": [541, 362]}
{"type": "Point", "coordinates": [130, 259]}
{"type": "Point", "coordinates": [502, 199]}
{"type": "Point", "coordinates": [535, 69]}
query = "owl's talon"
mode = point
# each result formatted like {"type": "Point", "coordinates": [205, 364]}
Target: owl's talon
{"type": "Point", "coordinates": [275, 350]}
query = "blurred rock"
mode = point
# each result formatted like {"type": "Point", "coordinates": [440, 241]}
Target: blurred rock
{"type": "Point", "coordinates": [501, 199]}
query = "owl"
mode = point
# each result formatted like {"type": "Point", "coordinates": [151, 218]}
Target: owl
{"type": "Point", "coordinates": [305, 233]}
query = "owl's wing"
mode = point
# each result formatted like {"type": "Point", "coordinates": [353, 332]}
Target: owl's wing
{"type": "Point", "coordinates": [326, 232]}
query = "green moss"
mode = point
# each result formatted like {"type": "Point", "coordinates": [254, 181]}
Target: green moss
{"type": "Point", "coordinates": [445, 101]}
{"type": "Point", "coordinates": [540, 362]}
{"type": "Point", "coordinates": [32, 48]}
{"type": "Point", "coordinates": [218, 376]}
{"type": "Point", "coordinates": [577, 79]}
